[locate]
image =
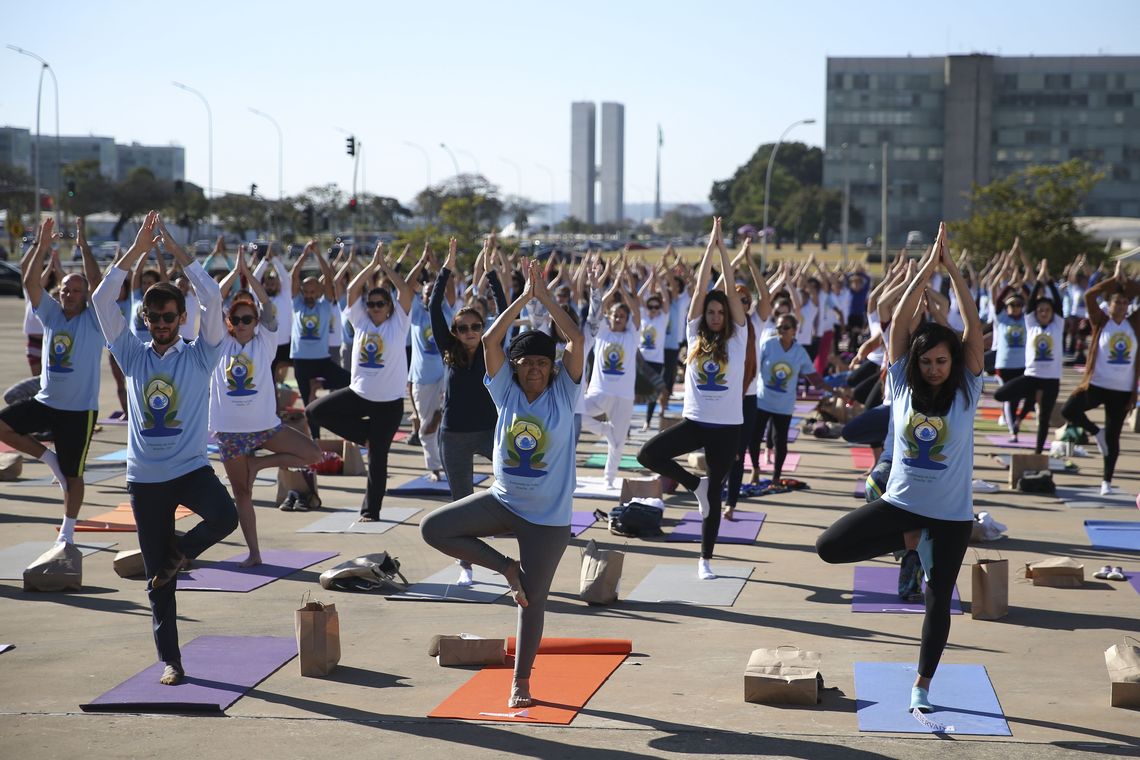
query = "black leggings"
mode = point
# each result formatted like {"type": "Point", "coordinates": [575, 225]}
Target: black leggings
{"type": "Point", "coordinates": [1115, 409]}
{"type": "Point", "coordinates": [876, 529]}
{"type": "Point", "coordinates": [651, 405]}
{"type": "Point", "coordinates": [719, 444]}
{"type": "Point", "coordinates": [1010, 408]}
{"type": "Point", "coordinates": [1027, 387]}
{"type": "Point", "coordinates": [306, 370]}
{"type": "Point", "coordinates": [780, 425]}
{"type": "Point", "coordinates": [367, 423]}
{"type": "Point", "coordinates": [736, 474]}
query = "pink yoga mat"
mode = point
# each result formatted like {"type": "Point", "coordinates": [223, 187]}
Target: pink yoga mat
{"type": "Point", "coordinates": [862, 458]}
{"type": "Point", "coordinates": [1002, 442]}
{"type": "Point", "coordinates": [791, 462]}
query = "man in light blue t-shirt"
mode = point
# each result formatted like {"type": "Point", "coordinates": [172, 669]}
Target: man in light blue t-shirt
{"type": "Point", "coordinates": [169, 384]}
{"type": "Point", "coordinates": [312, 319]}
{"type": "Point", "coordinates": [68, 399]}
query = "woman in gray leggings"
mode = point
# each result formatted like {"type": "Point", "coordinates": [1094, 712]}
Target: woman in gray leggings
{"type": "Point", "coordinates": [534, 470]}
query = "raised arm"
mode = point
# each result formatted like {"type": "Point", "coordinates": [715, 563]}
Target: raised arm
{"type": "Point", "coordinates": [298, 265]}
{"type": "Point", "coordinates": [697, 304]}
{"type": "Point", "coordinates": [493, 338]}
{"type": "Point", "coordinates": [440, 329]}
{"type": "Point", "coordinates": [91, 268]}
{"type": "Point", "coordinates": [973, 339]}
{"type": "Point", "coordinates": [911, 300]}
{"type": "Point", "coordinates": [403, 289]}
{"type": "Point", "coordinates": [104, 298]}
{"type": "Point", "coordinates": [34, 264]}
{"type": "Point", "coordinates": [735, 307]}
{"type": "Point", "coordinates": [364, 276]}
{"type": "Point", "coordinates": [213, 327]}
{"type": "Point", "coordinates": [574, 355]}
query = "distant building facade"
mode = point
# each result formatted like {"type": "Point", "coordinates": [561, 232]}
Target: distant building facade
{"type": "Point", "coordinates": [612, 170]}
{"type": "Point", "coordinates": [583, 172]}
{"type": "Point", "coordinates": [586, 172]}
{"type": "Point", "coordinates": [961, 120]}
{"type": "Point", "coordinates": [168, 162]}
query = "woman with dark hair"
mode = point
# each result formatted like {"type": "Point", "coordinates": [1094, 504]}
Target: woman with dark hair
{"type": "Point", "coordinates": [936, 379]}
{"type": "Point", "coordinates": [714, 389]}
{"type": "Point", "coordinates": [369, 410]}
{"type": "Point", "coordinates": [243, 401]}
{"type": "Point", "coordinates": [534, 470]}
{"type": "Point", "coordinates": [1112, 371]}
{"type": "Point", "coordinates": [1044, 333]}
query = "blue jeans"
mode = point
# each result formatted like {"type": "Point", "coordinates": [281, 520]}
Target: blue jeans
{"type": "Point", "coordinates": [153, 505]}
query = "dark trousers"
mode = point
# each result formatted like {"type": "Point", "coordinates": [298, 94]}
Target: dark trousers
{"type": "Point", "coordinates": [1027, 387]}
{"type": "Point", "coordinates": [869, 428]}
{"type": "Point", "coordinates": [780, 425]}
{"type": "Point", "coordinates": [367, 423]}
{"type": "Point", "coordinates": [876, 529]}
{"type": "Point", "coordinates": [305, 370]}
{"type": "Point", "coordinates": [153, 505]}
{"type": "Point", "coordinates": [1115, 409]}
{"type": "Point", "coordinates": [719, 444]}
{"type": "Point", "coordinates": [736, 474]}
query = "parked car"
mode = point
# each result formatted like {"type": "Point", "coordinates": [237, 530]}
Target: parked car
{"type": "Point", "coordinates": [11, 283]}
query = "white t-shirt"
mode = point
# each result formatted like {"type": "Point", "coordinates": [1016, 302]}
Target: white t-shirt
{"type": "Point", "coordinates": [879, 355]}
{"type": "Point", "coordinates": [713, 389]}
{"type": "Point", "coordinates": [758, 326]}
{"type": "Point", "coordinates": [283, 301]}
{"type": "Point", "coordinates": [243, 397]}
{"type": "Point", "coordinates": [189, 331]}
{"type": "Point", "coordinates": [1043, 347]}
{"type": "Point", "coordinates": [615, 362]}
{"type": "Point", "coordinates": [32, 324]}
{"type": "Point", "coordinates": [805, 332]}
{"type": "Point", "coordinates": [653, 331]}
{"type": "Point", "coordinates": [336, 325]}
{"type": "Point", "coordinates": [1115, 367]}
{"type": "Point", "coordinates": [379, 361]}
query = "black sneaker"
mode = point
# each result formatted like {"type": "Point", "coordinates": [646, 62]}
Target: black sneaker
{"type": "Point", "coordinates": [910, 577]}
{"type": "Point", "coordinates": [290, 503]}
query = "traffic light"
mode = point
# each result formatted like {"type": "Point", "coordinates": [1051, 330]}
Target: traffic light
{"type": "Point", "coordinates": [350, 145]}
{"type": "Point", "coordinates": [352, 204]}
{"type": "Point", "coordinates": [71, 188]}
{"type": "Point", "coordinates": [325, 225]}
{"type": "Point", "coordinates": [253, 190]}
{"type": "Point", "coordinates": [307, 218]}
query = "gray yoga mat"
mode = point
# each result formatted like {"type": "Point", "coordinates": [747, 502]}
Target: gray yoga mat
{"type": "Point", "coordinates": [91, 475]}
{"type": "Point", "coordinates": [15, 559]}
{"type": "Point", "coordinates": [347, 521]}
{"type": "Point", "coordinates": [440, 587]}
{"type": "Point", "coordinates": [679, 584]}
{"type": "Point", "coordinates": [1090, 498]}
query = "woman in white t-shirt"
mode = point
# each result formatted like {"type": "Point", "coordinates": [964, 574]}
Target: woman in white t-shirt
{"type": "Point", "coordinates": [243, 401]}
{"type": "Point", "coordinates": [369, 410]}
{"type": "Point", "coordinates": [714, 388]}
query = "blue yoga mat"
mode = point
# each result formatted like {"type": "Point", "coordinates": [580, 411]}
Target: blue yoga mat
{"type": "Point", "coordinates": [425, 486]}
{"type": "Point", "coordinates": [1114, 534]}
{"type": "Point", "coordinates": [114, 456]}
{"type": "Point", "coordinates": [962, 695]}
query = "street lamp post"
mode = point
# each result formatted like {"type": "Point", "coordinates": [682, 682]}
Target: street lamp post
{"type": "Point", "coordinates": [427, 158]}
{"type": "Point", "coordinates": [768, 186]}
{"type": "Point", "coordinates": [44, 66]}
{"type": "Point", "coordinates": [209, 134]}
{"type": "Point", "coordinates": [454, 162]}
{"type": "Point", "coordinates": [280, 152]}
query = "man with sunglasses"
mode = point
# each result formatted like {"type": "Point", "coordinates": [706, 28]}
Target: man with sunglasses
{"type": "Point", "coordinates": [313, 301]}
{"type": "Point", "coordinates": [169, 382]}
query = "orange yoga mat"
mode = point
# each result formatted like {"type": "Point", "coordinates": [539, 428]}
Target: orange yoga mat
{"type": "Point", "coordinates": [862, 458]}
{"type": "Point", "coordinates": [992, 413]}
{"type": "Point", "coordinates": [566, 674]}
{"type": "Point", "coordinates": [121, 520]}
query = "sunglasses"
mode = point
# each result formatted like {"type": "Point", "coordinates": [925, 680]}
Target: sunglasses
{"type": "Point", "coordinates": [247, 319]}
{"type": "Point", "coordinates": [782, 328]}
{"type": "Point", "coordinates": [654, 307]}
{"type": "Point", "coordinates": [474, 327]}
{"type": "Point", "coordinates": [166, 317]}
{"type": "Point", "coordinates": [377, 304]}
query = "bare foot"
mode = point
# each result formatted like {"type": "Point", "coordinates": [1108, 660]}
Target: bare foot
{"type": "Point", "coordinates": [434, 476]}
{"type": "Point", "coordinates": [367, 518]}
{"type": "Point", "coordinates": [513, 575]}
{"type": "Point", "coordinates": [520, 693]}
{"type": "Point", "coordinates": [172, 675]}
{"type": "Point", "coordinates": [253, 559]}
{"type": "Point", "coordinates": [729, 513]}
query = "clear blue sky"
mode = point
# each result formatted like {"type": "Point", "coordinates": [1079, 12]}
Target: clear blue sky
{"type": "Point", "coordinates": [494, 80]}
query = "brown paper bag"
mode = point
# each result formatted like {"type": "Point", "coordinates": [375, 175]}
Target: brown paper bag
{"type": "Point", "coordinates": [1019, 464]}
{"type": "Point", "coordinates": [60, 568]}
{"type": "Point", "coordinates": [318, 638]}
{"type": "Point", "coordinates": [293, 480]}
{"type": "Point", "coordinates": [353, 462]}
{"type": "Point", "coordinates": [643, 488]}
{"type": "Point", "coordinates": [1058, 572]}
{"type": "Point", "coordinates": [990, 598]}
{"type": "Point", "coordinates": [129, 564]}
{"type": "Point", "coordinates": [1123, 662]}
{"type": "Point", "coordinates": [11, 465]}
{"type": "Point", "coordinates": [785, 675]}
{"type": "Point", "coordinates": [601, 574]}
{"type": "Point", "coordinates": [467, 649]}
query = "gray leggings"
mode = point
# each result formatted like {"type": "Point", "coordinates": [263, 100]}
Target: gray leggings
{"type": "Point", "coordinates": [456, 529]}
{"type": "Point", "coordinates": [458, 451]}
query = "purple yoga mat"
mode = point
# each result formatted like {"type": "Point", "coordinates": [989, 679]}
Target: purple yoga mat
{"type": "Point", "coordinates": [580, 521]}
{"type": "Point", "coordinates": [1002, 442]}
{"type": "Point", "coordinates": [1133, 578]}
{"type": "Point", "coordinates": [227, 576]}
{"type": "Point", "coordinates": [742, 529]}
{"type": "Point", "coordinates": [861, 488]}
{"type": "Point", "coordinates": [219, 670]}
{"type": "Point", "coordinates": [876, 590]}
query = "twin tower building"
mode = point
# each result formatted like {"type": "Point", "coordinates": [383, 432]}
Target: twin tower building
{"type": "Point", "coordinates": [586, 171]}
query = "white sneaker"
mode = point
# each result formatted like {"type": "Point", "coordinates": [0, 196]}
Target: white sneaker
{"type": "Point", "coordinates": [465, 577]}
{"type": "Point", "coordinates": [1106, 489]}
{"type": "Point", "coordinates": [702, 494]}
{"type": "Point", "coordinates": [981, 486]}
{"type": "Point", "coordinates": [1101, 442]}
{"type": "Point", "coordinates": [1001, 419]}
{"type": "Point", "coordinates": [704, 572]}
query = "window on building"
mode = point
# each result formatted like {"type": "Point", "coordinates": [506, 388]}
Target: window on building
{"type": "Point", "coordinates": [1118, 99]}
{"type": "Point", "coordinates": [1037, 136]}
{"type": "Point", "coordinates": [1057, 81]}
{"type": "Point", "coordinates": [1121, 173]}
{"type": "Point", "coordinates": [1098, 81]}
{"type": "Point", "coordinates": [1131, 153]}
{"type": "Point", "coordinates": [1002, 154]}
{"type": "Point", "coordinates": [1023, 155]}
{"type": "Point", "coordinates": [1118, 117]}
{"type": "Point", "coordinates": [860, 82]}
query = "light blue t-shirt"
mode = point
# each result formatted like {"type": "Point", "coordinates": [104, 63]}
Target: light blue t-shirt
{"type": "Point", "coordinates": [778, 373]}
{"type": "Point", "coordinates": [427, 361]}
{"type": "Point", "coordinates": [678, 318]}
{"type": "Point", "coordinates": [135, 318]}
{"type": "Point", "coordinates": [310, 334]}
{"type": "Point", "coordinates": [1009, 341]}
{"type": "Point", "coordinates": [73, 349]}
{"type": "Point", "coordinates": [933, 465]}
{"type": "Point", "coordinates": [534, 448]}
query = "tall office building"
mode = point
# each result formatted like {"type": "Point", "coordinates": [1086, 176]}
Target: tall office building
{"type": "Point", "coordinates": [612, 171]}
{"type": "Point", "coordinates": [964, 119]}
{"type": "Point", "coordinates": [582, 167]}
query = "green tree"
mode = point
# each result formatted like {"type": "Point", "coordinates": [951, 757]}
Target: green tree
{"type": "Point", "coordinates": [813, 212]}
{"type": "Point", "coordinates": [685, 219]}
{"type": "Point", "coordinates": [93, 191]}
{"type": "Point", "coordinates": [187, 206]}
{"type": "Point", "coordinates": [239, 213]}
{"type": "Point", "coordinates": [1038, 204]}
{"type": "Point", "coordinates": [740, 199]}
{"type": "Point", "coordinates": [520, 210]}
{"type": "Point", "coordinates": [383, 213]}
{"type": "Point", "coordinates": [16, 189]}
{"type": "Point", "coordinates": [572, 225]}
{"type": "Point", "coordinates": [136, 194]}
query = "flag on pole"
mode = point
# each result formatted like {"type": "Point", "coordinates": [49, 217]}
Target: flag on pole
{"type": "Point", "coordinates": [660, 136]}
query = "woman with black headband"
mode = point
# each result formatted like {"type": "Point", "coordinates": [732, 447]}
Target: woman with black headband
{"type": "Point", "coordinates": [534, 469]}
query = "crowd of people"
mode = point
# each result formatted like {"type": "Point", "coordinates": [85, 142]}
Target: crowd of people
{"type": "Point", "coordinates": [515, 360]}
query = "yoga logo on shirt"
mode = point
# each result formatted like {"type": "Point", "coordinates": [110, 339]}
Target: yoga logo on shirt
{"type": "Point", "coordinates": [1015, 336]}
{"type": "Point", "coordinates": [1043, 348]}
{"type": "Point", "coordinates": [925, 438]}
{"type": "Point", "coordinates": [239, 376]}
{"type": "Point", "coordinates": [1119, 349]}
{"type": "Point", "coordinates": [613, 359]}
{"type": "Point", "coordinates": [59, 353]}
{"type": "Point", "coordinates": [371, 351]}
{"type": "Point", "coordinates": [649, 338]}
{"type": "Point", "coordinates": [710, 374]}
{"type": "Point", "coordinates": [525, 444]}
{"type": "Point", "coordinates": [778, 377]}
{"type": "Point", "coordinates": [311, 327]}
{"type": "Point", "coordinates": [160, 408]}
{"type": "Point", "coordinates": [429, 340]}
